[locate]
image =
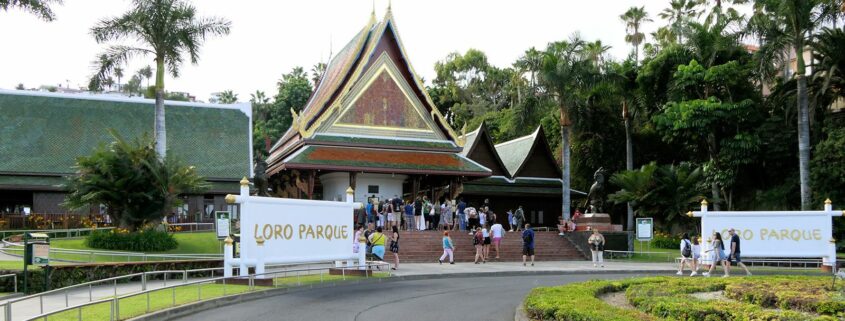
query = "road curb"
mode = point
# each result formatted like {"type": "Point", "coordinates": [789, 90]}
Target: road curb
{"type": "Point", "coordinates": [520, 314]}
{"type": "Point", "coordinates": [183, 310]}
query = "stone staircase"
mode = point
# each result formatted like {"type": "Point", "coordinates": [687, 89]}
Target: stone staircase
{"type": "Point", "coordinates": [425, 246]}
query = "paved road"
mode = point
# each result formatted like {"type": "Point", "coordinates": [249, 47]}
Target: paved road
{"type": "Point", "coordinates": [481, 298]}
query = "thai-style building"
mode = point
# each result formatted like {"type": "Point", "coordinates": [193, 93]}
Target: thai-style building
{"type": "Point", "coordinates": [371, 125]}
{"type": "Point", "coordinates": [42, 135]}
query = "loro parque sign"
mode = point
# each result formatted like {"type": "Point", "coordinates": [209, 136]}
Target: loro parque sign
{"type": "Point", "coordinates": [284, 231]}
{"type": "Point", "coordinates": [776, 234]}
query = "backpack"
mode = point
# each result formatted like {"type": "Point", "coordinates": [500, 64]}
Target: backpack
{"type": "Point", "coordinates": [687, 251]}
{"type": "Point", "coordinates": [526, 238]}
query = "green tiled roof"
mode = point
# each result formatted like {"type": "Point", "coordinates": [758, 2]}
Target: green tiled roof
{"type": "Point", "coordinates": [514, 152]}
{"type": "Point", "coordinates": [510, 190]}
{"type": "Point", "coordinates": [383, 142]}
{"type": "Point", "coordinates": [50, 182]}
{"type": "Point", "coordinates": [46, 133]}
{"type": "Point", "coordinates": [498, 184]}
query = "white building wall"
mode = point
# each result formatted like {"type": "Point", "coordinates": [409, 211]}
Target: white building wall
{"type": "Point", "coordinates": [335, 185]}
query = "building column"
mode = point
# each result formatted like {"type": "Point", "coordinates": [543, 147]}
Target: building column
{"type": "Point", "coordinates": [311, 175]}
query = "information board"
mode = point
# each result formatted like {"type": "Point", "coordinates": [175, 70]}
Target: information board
{"type": "Point", "coordinates": [645, 229]}
{"type": "Point", "coordinates": [222, 220]}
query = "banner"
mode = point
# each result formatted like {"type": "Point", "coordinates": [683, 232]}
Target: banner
{"type": "Point", "coordinates": [297, 231]}
{"type": "Point", "coordinates": [772, 234]}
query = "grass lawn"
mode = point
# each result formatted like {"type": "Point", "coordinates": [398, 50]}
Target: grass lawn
{"type": "Point", "coordinates": [661, 255]}
{"type": "Point", "coordinates": [162, 299]}
{"type": "Point", "coordinates": [189, 243]}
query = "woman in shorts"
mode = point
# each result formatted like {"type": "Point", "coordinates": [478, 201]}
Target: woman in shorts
{"type": "Point", "coordinates": [486, 234]}
{"type": "Point", "coordinates": [394, 247]}
{"type": "Point", "coordinates": [377, 240]}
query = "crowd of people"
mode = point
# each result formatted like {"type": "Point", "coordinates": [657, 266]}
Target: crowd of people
{"type": "Point", "coordinates": [693, 254]}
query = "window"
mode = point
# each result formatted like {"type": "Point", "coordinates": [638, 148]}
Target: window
{"type": "Point", "coordinates": [372, 189]}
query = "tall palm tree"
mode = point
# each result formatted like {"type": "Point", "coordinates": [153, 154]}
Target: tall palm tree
{"type": "Point", "coordinates": [164, 29]}
{"type": "Point", "coordinates": [633, 19]}
{"type": "Point", "coordinates": [40, 8]}
{"type": "Point", "coordinates": [146, 72]}
{"type": "Point", "coordinates": [562, 74]}
{"type": "Point", "coordinates": [678, 14]}
{"type": "Point", "coordinates": [118, 72]}
{"type": "Point", "coordinates": [531, 61]}
{"type": "Point", "coordinates": [109, 82]}
{"type": "Point", "coordinates": [317, 72]}
{"type": "Point", "coordinates": [228, 97]}
{"type": "Point", "coordinates": [795, 22]}
{"type": "Point", "coordinates": [595, 51]}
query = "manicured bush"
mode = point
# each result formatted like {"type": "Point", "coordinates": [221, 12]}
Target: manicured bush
{"type": "Point", "coordinates": [148, 240]}
{"type": "Point", "coordinates": [665, 241]}
{"type": "Point", "coordinates": [800, 294]}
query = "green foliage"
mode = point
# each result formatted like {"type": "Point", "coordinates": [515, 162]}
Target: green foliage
{"type": "Point", "coordinates": [274, 118]}
{"type": "Point", "coordinates": [40, 8]}
{"type": "Point", "coordinates": [664, 192]}
{"type": "Point", "coordinates": [147, 240]}
{"type": "Point", "coordinates": [228, 97]}
{"type": "Point", "coordinates": [130, 179]}
{"type": "Point", "coordinates": [828, 174]}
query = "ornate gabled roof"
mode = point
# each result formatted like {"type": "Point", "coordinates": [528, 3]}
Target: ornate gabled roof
{"type": "Point", "coordinates": [480, 148]}
{"type": "Point", "coordinates": [369, 90]}
{"type": "Point", "coordinates": [529, 156]}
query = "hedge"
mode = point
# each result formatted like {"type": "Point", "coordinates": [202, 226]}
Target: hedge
{"type": "Point", "coordinates": [149, 240]}
{"type": "Point", "coordinates": [66, 275]}
{"type": "Point", "coordinates": [666, 298]}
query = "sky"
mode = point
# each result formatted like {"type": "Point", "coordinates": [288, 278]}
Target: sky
{"type": "Point", "coordinates": [270, 37]}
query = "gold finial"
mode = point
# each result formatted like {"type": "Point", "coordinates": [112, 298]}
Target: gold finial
{"type": "Point", "coordinates": [244, 181]}
{"type": "Point", "coordinates": [260, 241]}
{"type": "Point", "coordinates": [230, 199]}
{"type": "Point", "coordinates": [389, 5]}
{"type": "Point", "coordinates": [828, 202]}
{"type": "Point", "coordinates": [703, 202]}
{"type": "Point", "coordinates": [689, 213]}
{"type": "Point", "coordinates": [228, 241]}
{"type": "Point", "coordinates": [349, 190]}
{"type": "Point", "coordinates": [832, 240]}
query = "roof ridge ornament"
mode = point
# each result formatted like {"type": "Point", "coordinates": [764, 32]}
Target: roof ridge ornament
{"type": "Point", "coordinates": [296, 123]}
{"type": "Point", "coordinates": [461, 140]}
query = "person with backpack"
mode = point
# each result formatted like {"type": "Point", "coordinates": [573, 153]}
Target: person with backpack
{"type": "Point", "coordinates": [527, 244]}
{"type": "Point", "coordinates": [396, 205]}
{"type": "Point", "coordinates": [377, 240]}
{"type": "Point", "coordinates": [478, 242]}
{"type": "Point", "coordinates": [686, 255]}
{"type": "Point", "coordinates": [448, 248]}
{"type": "Point", "coordinates": [518, 218]}
{"type": "Point", "coordinates": [596, 242]}
{"type": "Point", "coordinates": [462, 218]}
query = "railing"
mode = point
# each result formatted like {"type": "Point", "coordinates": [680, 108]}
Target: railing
{"type": "Point", "coordinates": [91, 256]}
{"type": "Point", "coordinates": [749, 261]}
{"type": "Point", "coordinates": [191, 227]}
{"type": "Point", "coordinates": [14, 280]}
{"type": "Point", "coordinates": [54, 234]}
{"type": "Point", "coordinates": [227, 286]}
{"type": "Point", "coordinates": [613, 254]}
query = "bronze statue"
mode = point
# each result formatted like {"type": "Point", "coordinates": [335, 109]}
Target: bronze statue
{"type": "Point", "coordinates": [260, 179]}
{"type": "Point", "coordinates": [596, 196]}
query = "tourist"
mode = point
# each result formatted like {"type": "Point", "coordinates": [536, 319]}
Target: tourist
{"type": "Point", "coordinates": [472, 218]}
{"type": "Point", "coordinates": [394, 247]}
{"type": "Point", "coordinates": [478, 242]}
{"type": "Point", "coordinates": [491, 217]}
{"type": "Point", "coordinates": [561, 226]}
{"type": "Point", "coordinates": [435, 219]}
{"type": "Point", "coordinates": [391, 217]}
{"type": "Point", "coordinates": [510, 220]}
{"type": "Point", "coordinates": [528, 244]}
{"type": "Point", "coordinates": [482, 216]}
{"type": "Point", "coordinates": [462, 217]}
{"type": "Point", "coordinates": [518, 218]}
{"type": "Point", "coordinates": [397, 210]}
{"type": "Point", "coordinates": [686, 254]}
{"type": "Point", "coordinates": [418, 211]}
{"type": "Point", "coordinates": [409, 216]}
{"type": "Point", "coordinates": [446, 215]}
{"type": "Point", "coordinates": [576, 215]}
{"type": "Point", "coordinates": [360, 217]}
{"type": "Point", "coordinates": [367, 234]}
{"type": "Point", "coordinates": [497, 231]}
{"type": "Point", "coordinates": [370, 214]}
{"type": "Point", "coordinates": [377, 240]}
{"type": "Point", "coordinates": [382, 213]}
{"type": "Point", "coordinates": [359, 231]}
{"type": "Point", "coordinates": [596, 242]}
{"type": "Point", "coordinates": [696, 255]}
{"type": "Point", "coordinates": [486, 234]}
{"type": "Point", "coordinates": [718, 255]}
{"type": "Point", "coordinates": [734, 257]}
{"type": "Point", "coordinates": [448, 248]}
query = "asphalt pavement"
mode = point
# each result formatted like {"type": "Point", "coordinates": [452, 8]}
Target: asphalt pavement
{"type": "Point", "coordinates": [455, 298]}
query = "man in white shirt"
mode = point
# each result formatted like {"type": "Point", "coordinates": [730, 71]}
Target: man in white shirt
{"type": "Point", "coordinates": [497, 231]}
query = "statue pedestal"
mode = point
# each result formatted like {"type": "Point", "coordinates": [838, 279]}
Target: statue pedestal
{"type": "Point", "coordinates": [596, 221]}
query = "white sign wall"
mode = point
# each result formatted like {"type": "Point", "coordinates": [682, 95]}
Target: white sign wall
{"type": "Point", "coordinates": [772, 235]}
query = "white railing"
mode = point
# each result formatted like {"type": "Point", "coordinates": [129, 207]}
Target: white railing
{"type": "Point", "coordinates": [92, 256]}
{"type": "Point", "coordinates": [55, 234]}
{"type": "Point", "coordinates": [193, 227]}
{"type": "Point", "coordinates": [248, 281]}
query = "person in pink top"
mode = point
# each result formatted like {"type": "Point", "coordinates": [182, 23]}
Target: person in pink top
{"type": "Point", "coordinates": [497, 231]}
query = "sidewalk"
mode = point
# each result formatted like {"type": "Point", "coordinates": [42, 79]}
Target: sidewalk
{"type": "Point", "coordinates": [26, 309]}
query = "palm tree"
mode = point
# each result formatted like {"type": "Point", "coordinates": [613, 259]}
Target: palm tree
{"type": "Point", "coordinates": [146, 72]}
{"type": "Point", "coordinates": [166, 30]}
{"type": "Point", "coordinates": [228, 97]}
{"type": "Point", "coordinates": [109, 82]}
{"type": "Point", "coordinates": [795, 21]}
{"type": "Point", "coordinates": [562, 74]}
{"type": "Point", "coordinates": [636, 186]}
{"type": "Point", "coordinates": [317, 72]}
{"type": "Point", "coordinates": [118, 72]}
{"type": "Point", "coordinates": [678, 13]}
{"type": "Point", "coordinates": [40, 8]}
{"type": "Point", "coordinates": [530, 62]}
{"type": "Point", "coordinates": [595, 52]}
{"type": "Point", "coordinates": [633, 18]}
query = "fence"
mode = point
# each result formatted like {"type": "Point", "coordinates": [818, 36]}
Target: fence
{"type": "Point", "coordinates": [52, 221]}
{"type": "Point", "coordinates": [190, 227]}
{"type": "Point", "coordinates": [91, 256]}
{"type": "Point", "coordinates": [140, 302]}
{"type": "Point", "coordinates": [53, 234]}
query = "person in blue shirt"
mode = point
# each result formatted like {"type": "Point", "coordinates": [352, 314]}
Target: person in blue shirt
{"type": "Point", "coordinates": [462, 217]}
{"type": "Point", "coordinates": [528, 244]}
{"type": "Point", "coordinates": [409, 216]}
{"type": "Point", "coordinates": [370, 217]}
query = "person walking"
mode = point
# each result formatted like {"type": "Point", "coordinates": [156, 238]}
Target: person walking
{"type": "Point", "coordinates": [596, 242]}
{"type": "Point", "coordinates": [446, 215]}
{"type": "Point", "coordinates": [409, 216]}
{"type": "Point", "coordinates": [462, 218]}
{"type": "Point", "coordinates": [486, 234]}
{"type": "Point", "coordinates": [734, 256]}
{"type": "Point", "coordinates": [382, 215]}
{"type": "Point", "coordinates": [696, 255]}
{"type": "Point", "coordinates": [448, 248]}
{"type": "Point", "coordinates": [528, 244]}
{"type": "Point", "coordinates": [397, 210]}
{"type": "Point", "coordinates": [359, 231]}
{"type": "Point", "coordinates": [497, 231]}
{"type": "Point", "coordinates": [377, 240]}
{"type": "Point", "coordinates": [371, 220]}
{"type": "Point", "coordinates": [435, 219]}
{"type": "Point", "coordinates": [418, 212]}
{"type": "Point", "coordinates": [519, 218]}
{"type": "Point", "coordinates": [394, 247]}
{"type": "Point", "coordinates": [510, 220]}
{"type": "Point", "coordinates": [686, 255]}
{"type": "Point", "coordinates": [478, 242]}
{"type": "Point", "coordinates": [717, 256]}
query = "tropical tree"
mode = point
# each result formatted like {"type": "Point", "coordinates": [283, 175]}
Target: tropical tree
{"type": "Point", "coordinates": [118, 72]}
{"type": "Point", "coordinates": [636, 187]}
{"type": "Point", "coordinates": [317, 72]}
{"type": "Point", "coordinates": [794, 22]}
{"type": "Point", "coordinates": [133, 86]}
{"type": "Point", "coordinates": [596, 51]}
{"type": "Point", "coordinates": [132, 181]}
{"type": "Point", "coordinates": [165, 29]}
{"type": "Point", "coordinates": [109, 82]}
{"type": "Point", "coordinates": [146, 73]}
{"type": "Point", "coordinates": [633, 19]}
{"type": "Point", "coordinates": [228, 97]}
{"type": "Point", "coordinates": [40, 8]}
{"type": "Point", "coordinates": [678, 14]}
